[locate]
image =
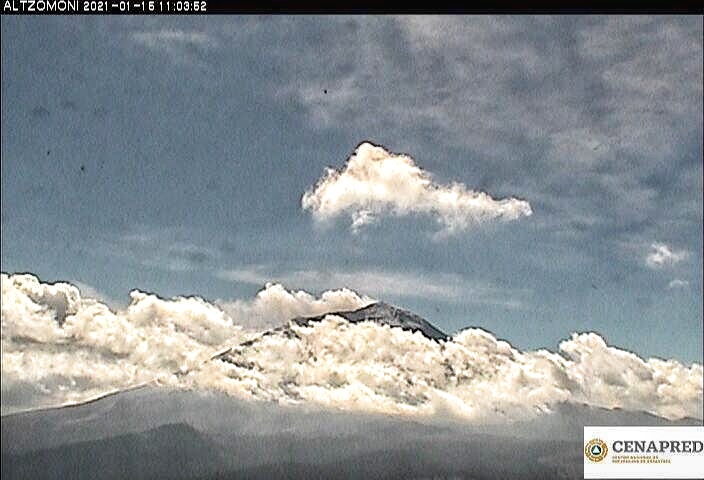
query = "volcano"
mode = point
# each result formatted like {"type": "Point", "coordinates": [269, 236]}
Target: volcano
{"type": "Point", "coordinates": [384, 314]}
{"type": "Point", "coordinates": [380, 313]}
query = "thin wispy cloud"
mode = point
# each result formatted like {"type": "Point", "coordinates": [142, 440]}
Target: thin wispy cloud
{"type": "Point", "coordinates": [164, 249]}
{"type": "Point", "coordinates": [180, 45]}
{"type": "Point", "coordinates": [163, 38]}
{"type": "Point", "coordinates": [489, 59]}
{"type": "Point", "coordinates": [539, 101]}
{"type": "Point", "coordinates": [89, 291]}
{"type": "Point", "coordinates": [445, 287]}
{"type": "Point", "coordinates": [677, 283]}
{"type": "Point", "coordinates": [375, 183]}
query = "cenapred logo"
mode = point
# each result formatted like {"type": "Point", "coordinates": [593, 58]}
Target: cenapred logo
{"type": "Point", "coordinates": [596, 449]}
{"type": "Point", "coordinates": [643, 452]}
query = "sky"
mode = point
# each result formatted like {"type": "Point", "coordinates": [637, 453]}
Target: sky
{"type": "Point", "coordinates": [209, 156]}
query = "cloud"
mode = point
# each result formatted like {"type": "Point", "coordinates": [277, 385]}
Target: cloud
{"type": "Point", "coordinates": [662, 255]}
{"type": "Point", "coordinates": [375, 183]}
{"type": "Point", "coordinates": [168, 249]}
{"type": "Point", "coordinates": [274, 304]}
{"type": "Point", "coordinates": [182, 46]}
{"type": "Point", "coordinates": [534, 103]}
{"type": "Point", "coordinates": [162, 38]}
{"type": "Point", "coordinates": [70, 347]}
{"type": "Point", "coordinates": [506, 81]}
{"type": "Point", "coordinates": [58, 347]}
{"type": "Point", "coordinates": [381, 283]}
{"type": "Point", "coordinates": [475, 376]}
{"type": "Point", "coordinates": [677, 283]}
{"type": "Point", "coordinates": [88, 291]}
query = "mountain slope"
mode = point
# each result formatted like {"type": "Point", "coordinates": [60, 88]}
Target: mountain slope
{"type": "Point", "coordinates": [161, 433]}
{"type": "Point", "coordinates": [168, 451]}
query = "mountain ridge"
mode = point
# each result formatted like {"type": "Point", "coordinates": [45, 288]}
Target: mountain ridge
{"type": "Point", "coordinates": [384, 314]}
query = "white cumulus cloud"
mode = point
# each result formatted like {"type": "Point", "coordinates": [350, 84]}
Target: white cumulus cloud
{"type": "Point", "coordinates": [60, 347]}
{"type": "Point", "coordinates": [375, 182]}
{"type": "Point", "coordinates": [475, 376]}
{"type": "Point", "coordinates": [274, 304]}
{"type": "Point", "coordinates": [662, 255]}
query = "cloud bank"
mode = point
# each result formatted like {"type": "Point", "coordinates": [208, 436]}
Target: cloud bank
{"type": "Point", "coordinates": [58, 347]}
{"type": "Point", "coordinates": [474, 376]}
{"type": "Point", "coordinates": [375, 183]}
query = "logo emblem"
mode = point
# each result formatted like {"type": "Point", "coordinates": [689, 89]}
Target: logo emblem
{"type": "Point", "coordinates": [596, 450]}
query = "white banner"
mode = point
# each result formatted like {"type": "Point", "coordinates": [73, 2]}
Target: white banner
{"type": "Point", "coordinates": [643, 452]}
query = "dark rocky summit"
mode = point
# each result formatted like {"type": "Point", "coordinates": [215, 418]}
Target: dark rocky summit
{"type": "Point", "coordinates": [384, 314]}
{"type": "Point", "coordinates": [380, 312]}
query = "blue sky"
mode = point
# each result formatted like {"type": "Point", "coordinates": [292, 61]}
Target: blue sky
{"type": "Point", "coordinates": [170, 154]}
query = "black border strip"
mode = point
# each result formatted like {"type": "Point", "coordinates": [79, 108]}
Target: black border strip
{"type": "Point", "coordinates": [450, 7]}
{"type": "Point", "coordinates": [307, 7]}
